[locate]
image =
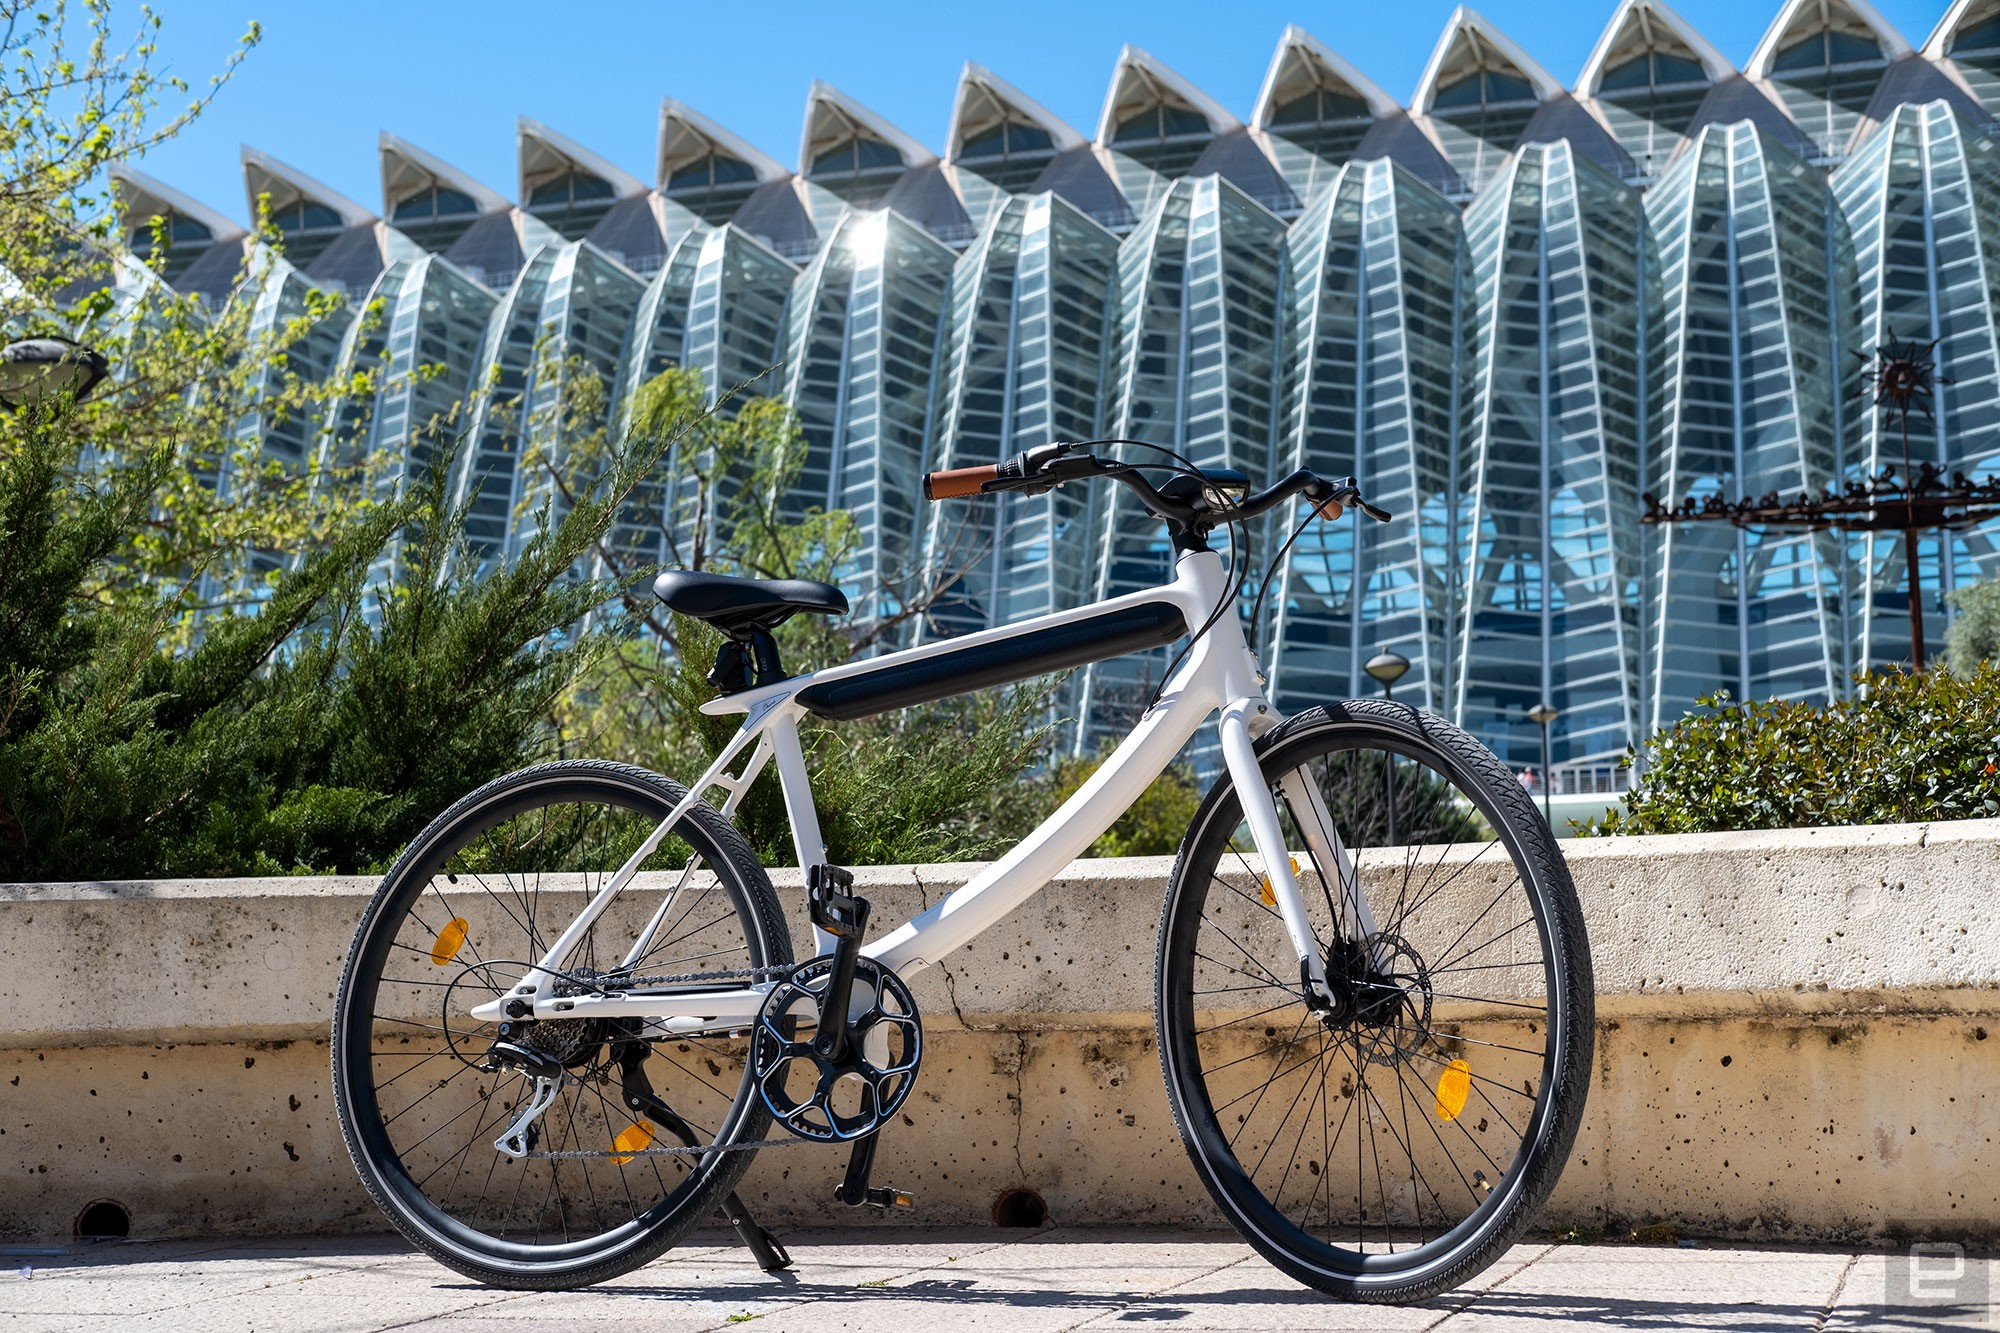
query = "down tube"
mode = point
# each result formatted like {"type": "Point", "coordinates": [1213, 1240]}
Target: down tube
{"type": "Point", "coordinates": [1042, 855]}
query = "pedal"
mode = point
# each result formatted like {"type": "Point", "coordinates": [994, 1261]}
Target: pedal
{"type": "Point", "coordinates": [883, 1197]}
{"type": "Point", "coordinates": [830, 904]}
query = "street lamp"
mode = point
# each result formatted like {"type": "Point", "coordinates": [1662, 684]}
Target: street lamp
{"type": "Point", "coordinates": [1542, 714]}
{"type": "Point", "coordinates": [34, 371]}
{"type": "Point", "coordinates": [1388, 668]}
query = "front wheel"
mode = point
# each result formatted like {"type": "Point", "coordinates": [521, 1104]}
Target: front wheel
{"type": "Point", "coordinates": [1388, 1138]}
{"type": "Point", "coordinates": [552, 1181]}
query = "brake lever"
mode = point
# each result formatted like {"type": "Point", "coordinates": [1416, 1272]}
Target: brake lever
{"type": "Point", "coordinates": [1347, 491]}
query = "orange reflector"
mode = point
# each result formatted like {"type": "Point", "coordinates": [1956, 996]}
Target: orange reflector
{"type": "Point", "coordinates": [631, 1139]}
{"type": "Point", "coordinates": [1270, 898]}
{"type": "Point", "coordinates": [449, 941]}
{"type": "Point", "coordinates": [1454, 1086]}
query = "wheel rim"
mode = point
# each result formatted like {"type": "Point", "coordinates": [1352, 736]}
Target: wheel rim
{"type": "Point", "coordinates": [1349, 1141]}
{"type": "Point", "coordinates": [496, 890]}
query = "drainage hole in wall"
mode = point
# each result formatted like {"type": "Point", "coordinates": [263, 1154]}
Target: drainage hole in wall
{"type": "Point", "coordinates": [1019, 1208]}
{"type": "Point", "coordinates": [103, 1220]}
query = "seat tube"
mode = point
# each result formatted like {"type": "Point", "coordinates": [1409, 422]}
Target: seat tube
{"type": "Point", "coordinates": [807, 842]}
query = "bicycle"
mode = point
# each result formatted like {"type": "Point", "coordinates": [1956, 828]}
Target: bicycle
{"type": "Point", "coordinates": [571, 1012]}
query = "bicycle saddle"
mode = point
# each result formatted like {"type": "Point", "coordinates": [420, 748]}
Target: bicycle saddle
{"type": "Point", "coordinates": [734, 604]}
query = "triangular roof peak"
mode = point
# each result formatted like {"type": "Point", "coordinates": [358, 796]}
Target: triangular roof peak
{"type": "Point", "coordinates": [982, 93]}
{"type": "Point", "coordinates": [544, 155]}
{"type": "Point", "coordinates": [834, 118]}
{"type": "Point", "coordinates": [1140, 80]}
{"type": "Point", "coordinates": [1802, 18]}
{"type": "Point", "coordinates": [408, 170]}
{"type": "Point", "coordinates": [1962, 14]}
{"type": "Point", "coordinates": [1641, 27]}
{"type": "Point", "coordinates": [145, 197]}
{"type": "Point", "coordinates": [286, 184]}
{"type": "Point", "coordinates": [1303, 62]}
{"type": "Point", "coordinates": [1468, 44]}
{"type": "Point", "coordinates": [686, 135]}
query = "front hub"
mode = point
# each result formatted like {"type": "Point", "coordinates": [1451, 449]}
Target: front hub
{"type": "Point", "coordinates": [1381, 993]}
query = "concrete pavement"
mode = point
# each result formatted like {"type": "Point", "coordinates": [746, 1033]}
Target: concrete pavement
{"type": "Point", "coordinates": [938, 1280]}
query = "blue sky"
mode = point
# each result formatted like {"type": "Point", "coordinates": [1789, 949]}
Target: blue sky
{"type": "Point", "coordinates": [453, 77]}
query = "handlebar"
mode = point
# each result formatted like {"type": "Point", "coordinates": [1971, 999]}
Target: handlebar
{"type": "Point", "coordinates": [959, 482]}
{"type": "Point", "coordinates": [1184, 501]}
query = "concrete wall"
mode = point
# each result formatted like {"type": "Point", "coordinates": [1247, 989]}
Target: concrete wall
{"type": "Point", "coordinates": [1794, 1041]}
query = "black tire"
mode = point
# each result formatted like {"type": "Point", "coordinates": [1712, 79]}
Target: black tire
{"type": "Point", "coordinates": [484, 886]}
{"type": "Point", "coordinates": [1264, 1087]}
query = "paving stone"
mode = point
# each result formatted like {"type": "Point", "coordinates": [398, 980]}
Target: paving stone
{"type": "Point", "coordinates": [1896, 1293]}
{"type": "Point", "coordinates": [1720, 1289]}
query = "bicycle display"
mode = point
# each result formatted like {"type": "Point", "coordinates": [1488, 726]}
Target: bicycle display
{"type": "Point", "coordinates": [573, 1011]}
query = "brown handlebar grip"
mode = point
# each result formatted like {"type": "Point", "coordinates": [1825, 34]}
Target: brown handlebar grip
{"type": "Point", "coordinates": [958, 482]}
{"type": "Point", "coordinates": [1330, 509]}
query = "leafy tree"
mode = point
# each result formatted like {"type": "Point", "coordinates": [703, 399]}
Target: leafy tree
{"type": "Point", "coordinates": [195, 381]}
{"type": "Point", "coordinates": [1903, 748]}
{"type": "Point", "coordinates": [1974, 636]}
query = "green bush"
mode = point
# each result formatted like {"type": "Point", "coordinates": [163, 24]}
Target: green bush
{"type": "Point", "coordinates": [318, 734]}
{"type": "Point", "coordinates": [1902, 749]}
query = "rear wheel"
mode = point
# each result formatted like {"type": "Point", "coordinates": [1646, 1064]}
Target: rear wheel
{"type": "Point", "coordinates": [1385, 1141]}
{"type": "Point", "coordinates": [480, 895]}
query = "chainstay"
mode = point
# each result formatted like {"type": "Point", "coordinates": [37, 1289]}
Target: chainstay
{"type": "Point", "coordinates": [576, 1154]}
{"type": "Point", "coordinates": [681, 979]}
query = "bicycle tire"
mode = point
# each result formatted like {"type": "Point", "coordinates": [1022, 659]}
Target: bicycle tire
{"type": "Point", "coordinates": [557, 1228]}
{"type": "Point", "coordinates": [1400, 1019]}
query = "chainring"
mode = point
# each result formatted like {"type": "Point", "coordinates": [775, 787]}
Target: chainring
{"type": "Point", "coordinates": [820, 1099]}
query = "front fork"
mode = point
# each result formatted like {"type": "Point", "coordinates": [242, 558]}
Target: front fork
{"type": "Point", "coordinates": [1240, 723]}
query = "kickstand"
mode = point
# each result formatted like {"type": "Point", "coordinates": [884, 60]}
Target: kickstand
{"type": "Point", "coordinates": [764, 1247]}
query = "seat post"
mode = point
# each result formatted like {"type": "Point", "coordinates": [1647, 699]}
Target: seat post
{"type": "Point", "coordinates": [764, 652]}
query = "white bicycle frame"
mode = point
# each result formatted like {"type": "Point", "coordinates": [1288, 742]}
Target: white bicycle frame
{"type": "Point", "coordinates": [1219, 674]}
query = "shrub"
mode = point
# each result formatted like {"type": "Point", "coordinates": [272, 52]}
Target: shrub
{"type": "Point", "coordinates": [1902, 749]}
{"type": "Point", "coordinates": [318, 734]}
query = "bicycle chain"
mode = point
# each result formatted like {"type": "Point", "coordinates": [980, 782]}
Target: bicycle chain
{"type": "Point", "coordinates": [684, 978]}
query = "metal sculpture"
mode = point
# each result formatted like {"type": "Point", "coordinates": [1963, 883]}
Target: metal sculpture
{"type": "Point", "coordinates": [1909, 500]}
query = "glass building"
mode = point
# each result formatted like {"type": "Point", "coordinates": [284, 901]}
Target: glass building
{"type": "Point", "coordinates": [1510, 307]}
{"type": "Point", "coordinates": [1373, 269]}
{"type": "Point", "coordinates": [1755, 395]}
{"type": "Point", "coordinates": [1556, 346]}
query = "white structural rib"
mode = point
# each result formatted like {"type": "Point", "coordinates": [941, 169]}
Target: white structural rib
{"type": "Point", "coordinates": [145, 197]}
{"type": "Point", "coordinates": [287, 185]}
{"type": "Point", "coordinates": [408, 170]}
{"type": "Point", "coordinates": [1301, 63]}
{"type": "Point", "coordinates": [1468, 44]}
{"type": "Point", "coordinates": [545, 155]}
{"type": "Point", "coordinates": [1641, 27]}
{"type": "Point", "coordinates": [688, 136]}
{"type": "Point", "coordinates": [1140, 81]}
{"type": "Point", "coordinates": [834, 118]}
{"type": "Point", "coordinates": [985, 99]}
{"type": "Point", "coordinates": [1963, 14]}
{"type": "Point", "coordinates": [1802, 18]}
